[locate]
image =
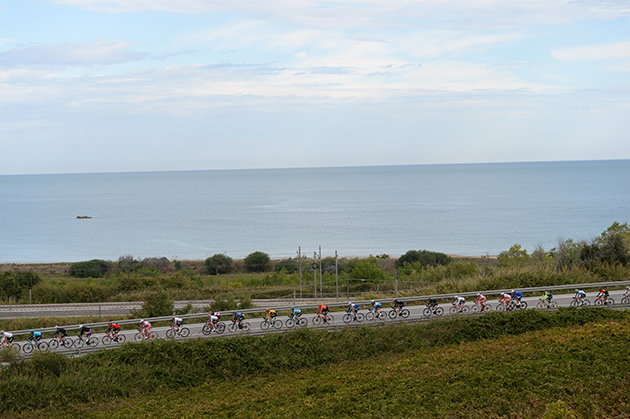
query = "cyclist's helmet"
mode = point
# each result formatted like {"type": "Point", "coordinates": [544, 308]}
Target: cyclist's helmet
{"type": "Point", "coordinates": [1, 332]}
{"type": "Point", "coordinates": [292, 308]}
{"type": "Point", "coordinates": [456, 297]}
{"type": "Point", "coordinates": [478, 294]}
{"type": "Point", "coordinates": [141, 320]}
{"type": "Point", "coordinates": [56, 327]}
{"type": "Point", "coordinates": [350, 303]}
{"type": "Point", "coordinates": [81, 326]}
{"type": "Point", "coordinates": [372, 301]}
{"type": "Point", "coordinates": [513, 291]}
{"type": "Point", "coordinates": [32, 331]}
{"type": "Point", "coordinates": [576, 290]}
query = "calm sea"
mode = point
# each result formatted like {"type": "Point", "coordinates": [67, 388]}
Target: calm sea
{"type": "Point", "coordinates": [470, 209]}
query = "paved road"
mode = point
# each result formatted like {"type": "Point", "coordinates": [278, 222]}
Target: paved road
{"type": "Point", "coordinates": [416, 314]}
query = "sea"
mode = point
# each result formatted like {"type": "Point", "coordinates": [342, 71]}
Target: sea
{"type": "Point", "coordinates": [459, 209]}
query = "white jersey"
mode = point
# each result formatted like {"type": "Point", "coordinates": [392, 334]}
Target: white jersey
{"type": "Point", "coordinates": [459, 300]}
{"type": "Point", "coordinates": [214, 319]}
{"type": "Point", "coordinates": [145, 324]}
{"type": "Point", "coordinates": [178, 320]}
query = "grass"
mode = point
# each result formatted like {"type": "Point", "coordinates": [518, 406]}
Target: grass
{"type": "Point", "coordinates": [509, 376]}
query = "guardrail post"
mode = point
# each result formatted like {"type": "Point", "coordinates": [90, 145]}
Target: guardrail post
{"type": "Point", "coordinates": [99, 312]}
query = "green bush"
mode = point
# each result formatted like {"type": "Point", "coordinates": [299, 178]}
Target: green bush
{"type": "Point", "coordinates": [94, 268]}
{"type": "Point", "coordinates": [257, 262]}
{"type": "Point", "coordinates": [424, 257]}
{"type": "Point", "coordinates": [16, 284]}
{"type": "Point", "coordinates": [219, 264]}
{"type": "Point", "coordinates": [157, 304]}
{"type": "Point", "coordinates": [366, 269]}
{"type": "Point", "coordinates": [289, 265]}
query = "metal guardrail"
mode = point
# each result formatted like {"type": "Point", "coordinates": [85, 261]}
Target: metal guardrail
{"type": "Point", "coordinates": [360, 302]}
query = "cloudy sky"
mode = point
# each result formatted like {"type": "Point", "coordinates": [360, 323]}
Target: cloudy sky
{"type": "Point", "coordinates": [143, 85]}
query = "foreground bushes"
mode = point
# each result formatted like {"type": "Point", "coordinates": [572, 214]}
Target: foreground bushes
{"type": "Point", "coordinates": [137, 369]}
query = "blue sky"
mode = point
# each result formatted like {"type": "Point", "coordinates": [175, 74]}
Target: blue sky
{"type": "Point", "coordinates": [144, 85]}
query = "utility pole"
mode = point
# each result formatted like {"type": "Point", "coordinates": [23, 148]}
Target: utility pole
{"type": "Point", "coordinates": [321, 277]}
{"type": "Point", "coordinates": [337, 274]}
{"type": "Point", "coordinates": [300, 265]}
{"type": "Point", "coordinates": [315, 275]}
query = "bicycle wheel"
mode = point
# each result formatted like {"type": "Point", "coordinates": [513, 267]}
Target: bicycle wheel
{"type": "Point", "coordinates": [28, 348]}
{"type": "Point", "coordinates": [475, 309]}
{"type": "Point", "coordinates": [610, 302]}
{"type": "Point", "coordinates": [184, 332]}
{"type": "Point", "coordinates": [523, 305]}
{"type": "Point", "coordinates": [405, 313]}
{"type": "Point", "coordinates": [15, 346]}
{"type": "Point", "coordinates": [121, 338]}
{"type": "Point", "coordinates": [153, 335]}
{"type": "Point", "coordinates": [79, 343]}
{"type": "Point", "coordinates": [587, 302]}
{"type": "Point", "coordinates": [206, 329]}
{"type": "Point", "coordinates": [488, 308]}
{"type": "Point", "coordinates": [246, 326]}
{"type": "Point", "coordinates": [42, 346]}
{"type": "Point", "coordinates": [220, 328]}
{"type": "Point", "coordinates": [264, 325]}
{"type": "Point", "coordinates": [277, 324]}
{"type": "Point", "coordinates": [439, 311]}
{"type": "Point", "coordinates": [598, 302]}
{"type": "Point", "coordinates": [93, 342]}
{"type": "Point", "coordinates": [330, 319]}
{"type": "Point", "coordinates": [360, 317]}
{"type": "Point", "coordinates": [303, 322]}
{"type": "Point", "coordinates": [290, 323]}
{"type": "Point", "coordinates": [500, 307]}
{"type": "Point", "coordinates": [317, 321]}
{"type": "Point", "coordinates": [347, 318]}
{"type": "Point", "coordinates": [553, 304]}
{"type": "Point", "coordinates": [392, 314]}
{"type": "Point", "coordinates": [138, 337]}
{"type": "Point", "coordinates": [541, 304]}
{"type": "Point", "coordinates": [625, 300]}
{"type": "Point", "coordinates": [574, 302]}
{"type": "Point", "coordinates": [453, 310]}
{"type": "Point", "coordinates": [106, 340]}
{"type": "Point", "coordinates": [170, 334]}
{"type": "Point", "coordinates": [54, 344]}
{"type": "Point", "coordinates": [369, 316]}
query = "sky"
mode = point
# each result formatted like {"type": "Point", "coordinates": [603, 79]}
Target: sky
{"type": "Point", "coordinates": [157, 85]}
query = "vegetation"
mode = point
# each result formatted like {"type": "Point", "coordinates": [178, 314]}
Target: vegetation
{"type": "Point", "coordinates": [424, 258]}
{"type": "Point", "coordinates": [219, 264]}
{"type": "Point", "coordinates": [16, 284]}
{"type": "Point", "coordinates": [490, 366]}
{"type": "Point", "coordinates": [288, 265]}
{"type": "Point", "coordinates": [257, 262]}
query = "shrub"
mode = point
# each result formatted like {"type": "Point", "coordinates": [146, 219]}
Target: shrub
{"type": "Point", "coordinates": [157, 304]}
{"type": "Point", "coordinates": [14, 284]}
{"type": "Point", "coordinates": [257, 262]}
{"type": "Point", "coordinates": [94, 268]}
{"type": "Point", "coordinates": [366, 269]}
{"type": "Point", "coordinates": [425, 258]}
{"type": "Point", "coordinates": [289, 265]}
{"type": "Point", "coordinates": [219, 264]}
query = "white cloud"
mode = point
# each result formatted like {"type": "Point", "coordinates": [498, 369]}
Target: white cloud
{"type": "Point", "coordinates": [301, 54]}
{"type": "Point", "coordinates": [97, 52]}
{"type": "Point", "coordinates": [593, 52]}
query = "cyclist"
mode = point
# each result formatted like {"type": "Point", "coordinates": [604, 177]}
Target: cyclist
{"type": "Point", "coordinates": [323, 311]}
{"type": "Point", "coordinates": [354, 309]}
{"type": "Point", "coordinates": [213, 319]}
{"type": "Point", "coordinates": [145, 327]}
{"type": "Point", "coordinates": [36, 336]}
{"type": "Point", "coordinates": [6, 337]}
{"type": "Point", "coordinates": [604, 295]}
{"type": "Point", "coordinates": [271, 315]}
{"type": "Point", "coordinates": [481, 300]}
{"type": "Point", "coordinates": [432, 304]}
{"type": "Point", "coordinates": [459, 302]}
{"type": "Point", "coordinates": [177, 323]}
{"type": "Point", "coordinates": [295, 313]}
{"type": "Point", "coordinates": [84, 330]}
{"type": "Point", "coordinates": [375, 306]}
{"type": "Point", "coordinates": [238, 318]}
{"type": "Point", "coordinates": [61, 332]}
{"type": "Point", "coordinates": [580, 295]}
{"type": "Point", "coordinates": [517, 296]}
{"type": "Point", "coordinates": [398, 306]}
{"type": "Point", "coordinates": [114, 328]}
{"type": "Point", "coordinates": [505, 299]}
{"type": "Point", "coordinates": [546, 297]}
{"type": "Point", "coordinates": [627, 291]}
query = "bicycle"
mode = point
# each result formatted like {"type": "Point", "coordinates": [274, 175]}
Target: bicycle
{"type": "Point", "coordinates": [398, 312]}
{"type": "Point", "coordinates": [457, 309]}
{"type": "Point", "coordinates": [576, 303]}
{"type": "Point", "coordinates": [233, 327]}
{"type": "Point", "coordinates": [296, 321]}
{"type": "Point", "coordinates": [175, 331]}
{"type": "Point", "coordinates": [478, 308]}
{"type": "Point", "coordinates": [7, 345]}
{"type": "Point", "coordinates": [432, 310]}
{"type": "Point", "coordinates": [546, 304]}
{"type": "Point", "coordinates": [318, 320]}
{"type": "Point", "coordinates": [350, 316]}
{"type": "Point", "coordinates": [219, 327]}
{"type": "Point", "coordinates": [625, 299]}
{"type": "Point", "coordinates": [58, 341]}
{"type": "Point", "coordinates": [505, 306]}
{"type": "Point", "coordinates": [375, 314]}
{"type": "Point", "coordinates": [111, 337]}
{"type": "Point", "coordinates": [85, 340]}
{"type": "Point", "coordinates": [140, 336]}
{"type": "Point", "coordinates": [273, 323]}
{"type": "Point", "coordinates": [603, 301]}
{"type": "Point", "coordinates": [32, 344]}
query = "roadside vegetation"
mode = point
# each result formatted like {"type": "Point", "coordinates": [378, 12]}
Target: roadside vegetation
{"type": "Point", "coordinates": [603, 258]}
{"type": "Point", "coordinates": [519, 365]}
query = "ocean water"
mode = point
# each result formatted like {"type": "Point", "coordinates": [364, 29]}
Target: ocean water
{"type": "Point", "coordinates": [468, 209]}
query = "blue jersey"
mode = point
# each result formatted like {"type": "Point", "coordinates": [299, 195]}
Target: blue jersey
{"type": "Point", "coordinates": [297, 312]}
{"type": "Point", "coordinates": [518, 295]}
{"type": "Point", "coordinates": [377, 305]}
{"type": "Point", "coordinates": [37, 334]}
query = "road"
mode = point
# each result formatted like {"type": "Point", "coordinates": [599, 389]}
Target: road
{"type": "Point", "coordinates": [415, 311]}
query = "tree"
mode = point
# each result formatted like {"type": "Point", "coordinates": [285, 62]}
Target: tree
{"type": "Point", "coordinates": [257, 262]}
{"type": "Point", "coordinates": [515, 257]}
{"type": "Point", "coordinates": [366, 269]}
{"type": "Point", "coordinates": [219, 264]}
{"type": "Point", "coordinates": [615, 244]}
{"type": "Point", "coordinates": [157, 304]}
{"type": "Point", "coordinates": [13, 284]}
{"type": "Point", "coordinates": [425, 258]}
{"type": "Point", "coordinates": [289, 265]}
{"type": "Point", "coordinates": [94, 268]}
